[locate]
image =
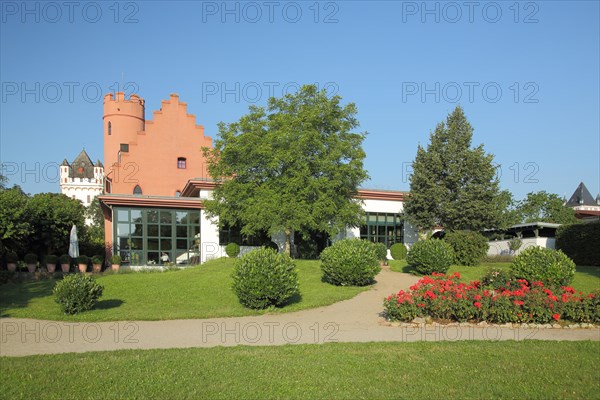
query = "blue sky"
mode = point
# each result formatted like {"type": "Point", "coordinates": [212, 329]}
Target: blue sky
{"type": "Point", "coordinates": [526, 73]}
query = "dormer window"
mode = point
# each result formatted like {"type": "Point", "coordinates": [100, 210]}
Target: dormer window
{"type": "Point", "coordinates": [181, 163]}
{"type": "Point", "coordinates": [137, 189]}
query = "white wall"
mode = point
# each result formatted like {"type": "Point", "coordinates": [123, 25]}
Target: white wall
{"type": "Point", "coordinates": [500, 247]}
{"type": "Point", "coordinates": [209, 238]}
{"type": "Point", "coordinates": [385, 206]}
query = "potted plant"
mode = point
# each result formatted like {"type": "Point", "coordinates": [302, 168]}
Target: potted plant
{"type": "Point", "coordinates": [115, 262]}
{"type": "Point", "coordinates": [31, 261]}
{"type": "Point", "coordinates": [83, 261]}
{"type": "Point", "coordinates": [11, 261]}
{"type": "Point", "coordinates": [51, 260]}
{"type": "Point", "coordinates": [97, 263]}
{"type": "Point", "coordinates": [65, 263]}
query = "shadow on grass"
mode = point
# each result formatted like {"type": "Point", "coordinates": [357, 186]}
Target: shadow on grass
{"type": "Point", "coordinates": [589, 270]}
{"type": "Point", "coordinates": [297, 298]}
{"type": "Point", "coordinates": [409, 269]}
{"type": "Point", "coordinates": [108, 304]}
{"type": "Point", "coordinates": [20, 294]}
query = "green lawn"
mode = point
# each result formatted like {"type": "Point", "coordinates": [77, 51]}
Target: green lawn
{"type": "Point", "coordinates": [198, 292]}
{"type": "Point", "coordinates": [444, 370]}
{"type": "Point", "coordinates": [586, 279]}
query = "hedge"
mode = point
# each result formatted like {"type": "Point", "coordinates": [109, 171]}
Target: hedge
{"type": "Point", "coordinates": [581, 242]}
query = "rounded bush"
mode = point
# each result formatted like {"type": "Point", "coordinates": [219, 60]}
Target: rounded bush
{"type": "Point", "coordinates": [232, 250]}
{"type": "Point", "coordinates": [398, 251]}
{"type": "Point", "coordinates": [469, 247]}
{"type": "Point", "coordinates": [11, 257]}
{"type": "Point", "coordinates": [432, 255]}
{"type": "Point", "coordinates": [30, 258]}
{"type": "Point", "coordinates": [116, 259]}
{"type": "Point", "coordinates": [552, 267]}
{"type": "Point", "coordinates": [51, 259]}
{"type": "Point", "coordinates": [381, 251]}
{"type": "Point", "coordinates": [64, 259]}
{"type": "Point", "coordinates": [97, 259]}
{"type": "Point", "coordinates": [82, 259]}
{"type": "Point", "coordinates": [350, 262]}
{"type": "Point", "coordinates": [77, 293]}
{"type": "Point", "coordinates": [264, 278]}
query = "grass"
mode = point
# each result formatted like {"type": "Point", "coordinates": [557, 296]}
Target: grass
{"type": "Point", "coordinates": [422, 370]}
{"type": "Point", "coordinates": [198, 292]}
{"type": "Point", "coordinates": [587, 278]}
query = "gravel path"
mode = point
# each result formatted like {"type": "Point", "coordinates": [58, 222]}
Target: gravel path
{"type": "Point", "coordinates": [354, 320]}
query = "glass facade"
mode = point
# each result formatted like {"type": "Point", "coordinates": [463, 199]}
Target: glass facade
{"type": "Point", "coordinates": [233, 234]}
{"type": "Point", "coordinates": [147, 236]}
{"type": "Point", "coordinates": [383, 228]}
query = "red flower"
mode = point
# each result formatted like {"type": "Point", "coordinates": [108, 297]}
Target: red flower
{"type": "Point", "coordinates": [556, 316]}
{"type": "Point", "coordinates": [519, 302]}
{"type": "Point", "coordinates": [477, 297]}
{"type": "Point", "coordinates": [477, 304]}
{"type": "Point", "coordinates": [456, 275]}
{"type": "Point", "coordinates": [421, 305]}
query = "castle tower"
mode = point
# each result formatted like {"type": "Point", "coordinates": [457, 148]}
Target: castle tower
{"type": "Point", "coordinates": [123, 119]}
{"type": "Point", "coordinates": [81, 179]}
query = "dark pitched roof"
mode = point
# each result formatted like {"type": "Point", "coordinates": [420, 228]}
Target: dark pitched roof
{"type": "Point", "coordinates": [581, 197]}
{"type": "Point", "coordinates": [82, 166]}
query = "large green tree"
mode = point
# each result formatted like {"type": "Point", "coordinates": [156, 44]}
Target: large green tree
{"type": "Point", "coordinates": [15, 225]}
{"type": "Point", "coordinates": [95, 230]}
{"type": "Point", "coordinates": [51, 216]}
{"type": "Point", "coordinates": [545, 207]}
{"type": "Point", "coordinates": [292, 167]}
{"type": "Point", "coordinates": [453, 184]}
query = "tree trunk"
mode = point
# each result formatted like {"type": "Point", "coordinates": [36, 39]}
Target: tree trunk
{"type": "Point", "coordinates": [287, 246]}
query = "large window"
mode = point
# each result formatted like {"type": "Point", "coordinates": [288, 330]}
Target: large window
{"type": "Point", "coordinates": [233, 234]}
{"type": "Point", "coordinates": [382, 228]}
{"type": "Point", "coordinates": [146, 236]}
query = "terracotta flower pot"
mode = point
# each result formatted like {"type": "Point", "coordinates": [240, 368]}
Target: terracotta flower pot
{"type": "Point", "coordinates": [12, 267]}
{"type": "Point", "coordinates": [96, 268]}
{"type": "Point", "coordinates": [82, 268]}
{"type": "Point", "coordinates": [65, 268]}
{"type": "Point", "coordinates": [51, 268]}
{"type": "Point", "coordinates": [31, 268]}
{"type": "Point", "coordinates": [115, 267]}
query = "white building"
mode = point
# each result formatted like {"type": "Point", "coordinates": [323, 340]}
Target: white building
{"type": "Point", "coordinates": [82, 180]}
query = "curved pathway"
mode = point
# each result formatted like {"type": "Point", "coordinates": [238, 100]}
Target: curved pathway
{"type": "Point", "coordinates": [354, 320]}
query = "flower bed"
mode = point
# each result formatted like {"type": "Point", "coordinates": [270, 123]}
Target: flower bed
{"type": "Point", "coordinates": [444, 298]}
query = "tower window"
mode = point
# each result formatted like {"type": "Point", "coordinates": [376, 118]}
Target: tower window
{"type": "Point", "coordinates": [137, 189]}
{"type": "Point", "coordinates": [109, 128]}
{"type": "Point", "coordinates": [124, 147]}
{"type": "Point", "coordinates": [181, 161]}
{"type": "Point", "coordinates": [178, 194]}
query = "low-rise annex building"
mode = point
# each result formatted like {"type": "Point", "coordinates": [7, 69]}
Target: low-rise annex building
{"type": "Point", "coordinates": [156, 183]}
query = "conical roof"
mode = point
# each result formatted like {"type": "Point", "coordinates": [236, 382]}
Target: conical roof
{"type": "Point", "coordinates": [581, 197]}
{"type": "Point", "coordinates": [82, 166]}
